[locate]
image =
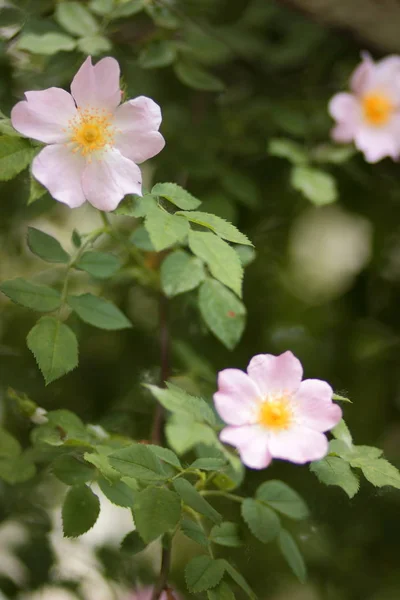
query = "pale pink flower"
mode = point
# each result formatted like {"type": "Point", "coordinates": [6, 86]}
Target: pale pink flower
{"type": "Point", "coordinates": [94, 142]}
{"type": "Point", "coordinates": [272, 413]}
{"type": "Point", "coordinates": [370, 115]}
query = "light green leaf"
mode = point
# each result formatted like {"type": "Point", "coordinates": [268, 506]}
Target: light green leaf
{"type": "Point", "coordinates": [9, 445]}
{"type": "Point", "coordinates": [165, 229]}
{"type": "Point", "coordinates": [246, 254]}
{"type": "Point", "coordinates": [101, 462]}
{"type": "Point", "coordinates": [209, 464]}
{"type": "Point", "coordinates": [117, 492]}
{"type": "Point", "coordinates": [317, 186]}
{"type": "Point", "coordinates": [336, 155]}
{"type": "Point", "coordinates": [194, 76]}
{"type": "Point", "coordinates": [332, 470]}
{"type": "Point", "coordinates": [178, 401]}
{"type": "Point", "coordinates": [342, 433]}
{"type": "Point", "coordinates": [195, 532]}
{"type": "Point", "coordinates": [159, 53]}
{"type": "Point", "coordinates": [80, 511]}
{"type": "Point", "coordinates": [32, 295]}
{"type": "Point", "coordinates": [166, 455]}
{"type": "Point", "coordinates": [282, 498]}
{"type": "Point", "coordinates": [222, 311]}
{"type": "Point", "coordinates": [263, 522]}
{"type": "Point", "coordinates": [98, 312]}
{"type": "Point", "coordinates": [55, 348]}
{"type": "Point", "coordinates": [46, 247]}
{"type": "Point", "coordinates": [181, 272]}
{"type": "Point", "coordinates": [132, 543]}
{"type": "Point", "coordinates": [94, 45]}
{"type": "Point", "coordinates": [183, 433]}
{"type": "Point", "coordinates": [101, 7]}
{"type": "Point", "coordinates": [221, 592]}
{"type": "Point", "coordinates": [156, 510]}
{"type": "Point", "coordinates": [226, 534]}
{"type": "Point", "coordinates": [46, 43]}
{"type": "Point", "coordinates": [128, 8]}
{"type": "Point", "coordinates": [221, 259]}
{"type": "Point", "coordinates": [141, 239]}
{"type": "Point", "coordinates": [72, 471]}
{"type": "Point", "coordinates": [240, 580]}
{"type": "Point", "coordinates": [17, 469]}
{"type": "Point", "coordinates": [6, 128]}
{"type": "Point", "coordinates": [15, 155]}
{"type": "Point", "coordinates": [285, 148]}
{"type": "Point", "coordinates": [292, 555]}
{"type": "Point", "coordinates": [203, 573]}
{"type": "Point", "coordinates": [193, 498]}
{"type": "Point", "coordinates": [378, 471]}
{"type": "Point", "coordinates": [176, 194]}
{"type": "Point", "coordinates": [219, 226]}
{"type": "Point", "coordinates": [99, 264]}
{"type": "Point", "coordinates": [76, 19]}
{"type": "Point", "coordinates": [138, 462]}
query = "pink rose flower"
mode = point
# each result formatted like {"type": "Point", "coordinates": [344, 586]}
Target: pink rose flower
{"type": "Point", "coordinates": [94, 142]}
{"type": "Point", "coordinates": [272, 413]}
{"type": "Point", "coordinates": [370, 115]}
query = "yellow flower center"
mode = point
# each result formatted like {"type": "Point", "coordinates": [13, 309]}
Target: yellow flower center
{"type": "Point", "coordinates": [91, 130]}
{"type": "Point", "coordinates": [377, 108]}
{"type": "Point", "coordinates": [276, 413]}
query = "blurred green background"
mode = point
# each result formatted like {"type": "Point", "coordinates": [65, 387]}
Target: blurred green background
{"type": "Point", "coordinates": [230, 76]}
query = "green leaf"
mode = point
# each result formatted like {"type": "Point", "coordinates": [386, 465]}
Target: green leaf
{"type": "Point", "coordinates": [156, 510]}
{"type": "Point", "coordinates": [6, 128]}
{"type": "Point", "coordinates": [15, 155]}
{"type": "Point", "coordinates": [246, 254]}
{"type": "Point", "coordinates": [342, 433]}
{"type": "Point", "coordinates": [226, 534]}
{"type": "Point", "coordinates": [9, 445]}
{"type": "Point", "coordinates": [209, 464]}
{"type": "Point", "coordinates": [181, 272]}
{"type": "Point", "coordinates": [159, 53]}
{"type": "Point", "coordinates": [32, 295]}
{"type": "Point", "coordinates": [263, 522]}
{"type": "Point", "coordinates": [222, 311]}
{"type": "Point", "coordinates": [132, 543]}
{"type": "Point", "coordinates": [183, 433]}
{"type": "Point", "coordinates": [282, 498]}
{"type": "Point", "coordinates": [17, 469]}
{"type": "Point", "coordinates": [101, 7]}
{"type": "Point", "coordinates": [219, 226]}
{"type": "Point", "coordinates": [165, 229]}
{"type": "Point", "coordinates": [166, 455]}
{"type": "Point", "coordinates": [72, 471]}
{"type": "Point", "coordinates": [194, 76]}
{"type": "Point", "coordinates": [221, 259]}
{"type": "Point", "coordinates": [336, 155]}
{"type": "Point", "coordinates": [46, 43]}
{"type": "Point", "coordinates": [55, 347]}
{"type": "Point", "coordinates": [333, 470]}
{"type": "Point", "coordinates": [195, 532]}
{"type": "Point", "coordinates": [94, 45]}
{"type": "Point", "coordinates": [76, 19]}
{"type": "Point", "coordinates": [46, 247]}
{"type": "Point", "coordinates": [162, 15]}
{"type": "Point", "coordinates": [99, 264]}
{"type": "Point", "coordinates": [138, 462]}
{"type": "Point", "coordinates": [193, 498]}
{"type": "Point", "coordinates": [80, 511]}
{"type": "Point", "coordinates": [36, 191]}
{"type": "Point", "coordinates": [285, 148]}
{"type": "Point", "coordinates": [101, 462]}
{"type": "Point", "coordinates": [378, 471]}
{"type": "Point", "coordinates": [340, 398]}
{"type": "Point", "coordinates": [129, 8]}
{"type": "Point", "coordinates": [176, 194]}
{"type": "Point", "coordinates": [98, 312]}
{"type": "Point", "coordinates": [203, 573]}
{"type": "Point", "coordinates": [317, 186]}
{"type": "Point", "coordinates": [292, 555]}
{"type": "Point", "coordinates": [117, 492]}
{"type": "Point", "coordinates": [178, 401]}
{"type": "Point", "coordinates": [240, 580]}
{"type": "Point", "coordinates": [221, 592]}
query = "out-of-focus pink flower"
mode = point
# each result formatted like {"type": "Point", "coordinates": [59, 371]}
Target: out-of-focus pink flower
{"type": "Point", "coordinates": [272, 413]}
{"type": "Point", "coordinates": [370, 115]}
{"type": "Point", "coordinates": [145, 594]}
{"type": "Point", "coordinates": [94, 143]}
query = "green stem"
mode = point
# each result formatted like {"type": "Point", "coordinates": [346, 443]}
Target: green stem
{"type": "Point", "coordinates": [222, 494]}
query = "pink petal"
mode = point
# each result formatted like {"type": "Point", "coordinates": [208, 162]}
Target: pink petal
{"type": "Point", "coordinates": [315, 407]}
{"type": "Point", "coordinates": [236, 399]}
{"type": "Point", "coordinates": [60, 171]}
{"type": "Point", "coordinates": [137, 123]}
{"type": "Point", "coordinates": [252, 443]}
{"type": "Point", "coordinates": [97, 86]}
{"type": "Point", "coordinates": [360, 79]}
{"type": "Point", "coordinates": [298, 444]}
{"type": "Point", "coordinates": [275, 374]}
{"type": "Point", "coordinates": [385, 77]}
{"type": "Point", "coordinates": [44, 115]}
{"type": "Point", "coordinates": [106, 180]}
{"type": "Point", "coordinates": [343, 133]}
{"type": "Point", "coordinates": [378, 142]}
{"type": "Point", "coordinates": [344, 107]}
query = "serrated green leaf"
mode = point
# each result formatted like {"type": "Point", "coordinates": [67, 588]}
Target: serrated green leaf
{"type": "Point", "coordinates": [222, 311]}
{"type": "Point", "coordinates": [178, 401]}
{"type": "Point", "coordinates": [72, 471]}
{"type": "Point", "coordinates": [333, 470]}
{"type": "Point", "coordinates": [80, 511]}
{"type": "Point", "coordinates": [46, 247]}
{"type": "Point", "coordinates": [46, 43]}
{"type": "Point", "coordinates": [55, 348]}
{"type": "Point", "coordinates": [285, 148]}
{"type": "Point", "coordinates": [226, 534]}
{"type": "Point", "coordinates": [282, 498]}
{"type": "Point", "coordinates": [32, 295]}
{"type": "Point", "coordinates": [317, 186]}
{"type": "Point", "coordinates": [159, 53]}
{"type": "Point", "coordinates": [156, 510]}
{"type": "Point", "coordinates": [263, 522]}
{"type": "Point", "coordinates": [219, 226]}
{"type": "Point", "coordinates": [221, 259]}
{"type": "Point", "coordinates": [378, 471]}
{"type": "Point", "coordinates": [166, 455]}
{"type": "Point", "coordinates": [15, 155]}
{"type": "Point", "coordinates": [165, 229]}
{"type": "Point", "coordinates": [176, 194]}
{"type": "Point", "coordinates": [203, 573]}
{"type": "Point", "coordinates": [94, 44]}
{"type": "Point", "coordinates": [132, 543]}
{"type": "Point", "coordinates": [76, 19]}
{"type": "Point", "coordinates": [138, 462]}
{"type": "Point", "coordinates": [193, 498]}
{"type": "Point", "coordinates": [240, 580]}
{"type": "Point", "coordinates": [117, 492]}
{"type": "Point", "coordinates": [98, 312]}
{"type": "Point", "coordinates": [292, 555]}
{"type": "Point", "coordinates": [194, 76]}
{"type": "Point", "coordinates": [195, 532]}
{"type": "Point", "coordinates": [209, 464]}
{"type": "Point", "coordinates": [221, 592]}
{"type": "Point", "coordinates": [99, 264]}
{"type": "Point", "coordinates": [181, 272]}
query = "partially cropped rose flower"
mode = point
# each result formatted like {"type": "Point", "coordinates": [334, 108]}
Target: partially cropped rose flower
{"type": "Point", "coordinates": [145, 594]}
{"type": "Point", "coordinates": [370, 115]}
{"type": "Point", "coordinates": [94, 142]}
{"type": "Point", "coordinates": [272, 413]}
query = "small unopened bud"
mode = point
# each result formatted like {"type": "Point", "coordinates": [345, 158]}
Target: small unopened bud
{"type": "Point", "coordinates": [39, 416]}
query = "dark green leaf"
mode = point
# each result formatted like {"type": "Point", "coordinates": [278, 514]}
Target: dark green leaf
{"type": "Point", "coordinates": [117, 492]}
{"type": "Point", "coordinates": [156, 510]}
{"type": "Point", "coordinates": [263, 522]}
{"type": "Point", "coordinates": [99, 264]}
{"type": "Point", "coordinates": [333, 470]}
{"type": "Point", "coordinates": [80, 511]}
{"type": "Point", "coordinates": [226, 534]}
{"type": "Point", "coordinates": [32, 295]}
{"type": "Point", "coordinates": [165, 229]}
{"type": "Point", "coordinates": [283, 498]}
{"type": "Point", "coordinates": [166, 455]}
{"type": "Point", "coordinates": [292, 555]}
{"type": "Point", "coordinates": [240, 580]}
{"type": "Point", "coordinates": [176, 194]}
{"type": "Point", "coordinates": [138, 462]}
{"type": "Point", "coordinates": [98, 312]}
{"type": "Point", "coordinates": [195, 532]}
{"type": "Point", "coordinates": [203, 573]}
{"type": "Point", "coordinates": [219, 226]}
{"type": "Point", "coordinates": [72, 471]}
{"type": "Point", "coordinates": [192, 498]}
{"type": "Point", "coordinates": [15, 155]}
{"type": "Point", "coordinates": [159, 53]}
{"type": "Point", "coordinates": [209, 464]}
{"type": "Point", "coordinates": [46, 247]}
{"type": "Point", "coordinates": [132, 543]}
{"type": "Point", "coordinates": [181, 272]}
{"type": "Point", "coordinates": [221, 592]}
